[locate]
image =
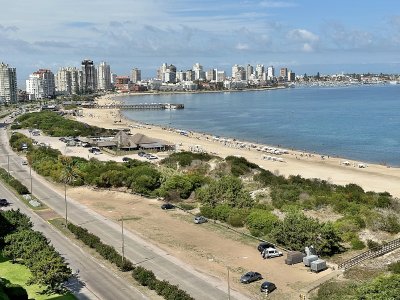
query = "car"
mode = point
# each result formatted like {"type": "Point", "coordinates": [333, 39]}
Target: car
{"type": "Point", "coordinates": [167, 206]}
{"type": "Point", "coordinates": [24, 163]}
{"type": "Point", "coordinates": [271, 252]}
{"type": "Point", "coordinates": [150, 157]}
{"type": "Point", "coordinates": [126, 159]}
{"type": "Point", "coordinates": [200, 220]}
{"type": "Point", "coordinates": [141, 153]}
{"type": "Point", "coordinates": [4, 202]}
{"type": "Point", "coordinates": [250, 277]}
{"type": "Point", "coordinates": [267, 287]}
{"type": "Point", "coordinates": [262, 246]}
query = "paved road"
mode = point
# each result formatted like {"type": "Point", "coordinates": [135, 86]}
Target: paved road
{"type": "Point", "coordinates": [165, 266]}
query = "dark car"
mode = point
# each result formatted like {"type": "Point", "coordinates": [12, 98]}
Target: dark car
{"type": "Point", "coordinates": [264, 245]}
{"type": "Point", "coordinates": [267, 287]}
{"type": "Point", "coordinates": [167, 206]}
{"type": "Point", "coordinates": [141, 153]}
{"type": "Point", "coordinates": [126, 159]}
{"type": "Point", "coordinates": [250, 277]}
{"type": "Point", "coordinates": [4, 202]}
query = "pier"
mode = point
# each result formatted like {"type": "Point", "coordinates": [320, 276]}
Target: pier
{"type": "Point", "coordinates": [142, 106]}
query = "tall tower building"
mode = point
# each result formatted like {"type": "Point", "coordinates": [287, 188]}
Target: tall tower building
{"type": "Point", "coordinates": [249, 71]}
{"type": "Point", "coordinates": [270, 73]}
{"type": "Point", "coordinates": [136, 75]}
{"type": "Point", "coordinates": [8, 84]}
{"type": "Point", "coordinates": [41, 85]}
{"type": "Point", "coordinates": [199, 74]}
{"type": "Point", "coordinates": [283, 73]}
{"type": "Point", "coordinates": [259, 71]}
{"type": "Point", "coordinates": [104, 77]}
{"type": "Point", "coordinates": [89, 76]}
{"type": "Point", "coordinates": [69, 81]}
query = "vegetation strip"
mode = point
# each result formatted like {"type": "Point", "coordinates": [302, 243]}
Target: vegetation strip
{"type": "Point", "coordinates": [140, 274]}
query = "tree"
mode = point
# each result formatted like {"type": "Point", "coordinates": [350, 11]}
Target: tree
{"type": "Point", "coordinates": [68, 175]}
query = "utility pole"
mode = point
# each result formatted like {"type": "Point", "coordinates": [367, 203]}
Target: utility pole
{"type": "Point", "coordinates": [123, 241]}
{"type": "Point", "coordinates": [8, 165]}
{"type": "Point", "coordinates": [30, 173]}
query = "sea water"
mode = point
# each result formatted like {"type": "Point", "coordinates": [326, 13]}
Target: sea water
{"type": "Point", "coordinates": [356, 122]}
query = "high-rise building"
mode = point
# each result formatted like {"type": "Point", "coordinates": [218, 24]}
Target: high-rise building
{"type": "Point", "coordinates": [181, 76]}
{"type": "Point", "coordinates": [291, 76]}
{"type": "Point", "coordinates": [89, 76]}
{"type": "Point", "coordinates": [199, 74]}
{"type": "Point", "coordinates": [69, 81]}
{"type": "Point", "coordinates": [170, 74]}
{"type": "Point", "coordinates": [238, 73]}
{"type": "Point", "coordinates": [270, 73]}
{"type": "Point", "coordinates": [103, 77]}
{"type": "Point", "coordinates": [283, 73]}
{"type": "Point", "coordinates": [190, 75]}
{"type": "Point", "coordinates": [8, 84]}
{"type": "Point", "coordinates": [249, 71]}
{"type": "Point", "coordinates": [210, 75]}
{"type": "Point", "coordinates": [136, 75]}
{"type": "Point", "coordinates": [259, 71]}
{"type": "Point", "coordinates": [161, 71]}
{"type": "Point", "coordinates": [41, 85]}
{"type": "Point", "coordinates": [221, 76]}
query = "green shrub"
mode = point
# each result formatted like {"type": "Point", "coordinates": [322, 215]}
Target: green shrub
{"type": "Point", "coordinates": [261, 222]}
{"type": "Point", "coordinates": [187, 206]}
{"type": "Point", "coordinates": [394, 267]}
{"type": "Point", "coordinates": [357, 244]}
{"type": "Point", "coordinates": [222, 212]}
{"type": "Point", "coordinates": [237, 217]}
{"type": "Point", "coordinates": [207, 211]}
{"type": "Point", "coordinates": [372, 244]}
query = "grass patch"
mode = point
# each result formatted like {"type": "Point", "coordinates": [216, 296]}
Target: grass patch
{"type": "Point", "coordinates": [59, 223]}
{"type": "Point", "coordinates": [19, 274]}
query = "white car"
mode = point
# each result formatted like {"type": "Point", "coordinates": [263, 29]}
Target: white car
{"type": "Point", "coordinates": [271, 252]}
{"type": "Point", "coordinates": [200, 219]}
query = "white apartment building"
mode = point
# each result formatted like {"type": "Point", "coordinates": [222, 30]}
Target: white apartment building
{"type": "Point", "coordinates": [8, 84]}
{"type": "Point", "coordinates": [238, 73]}
{"type": "Point", "coordinates": [221, 76]}
{"type": "Point", "coordinates": [180, 76]}
{"type": "Point", "coordinates": [136, 75]}
{"type": "Point", "coordinates": [199, 74]}
{"type": "Point", "coordinates": [40, 85]}
{"type": "Point", "coordinates": [103, 77]}
{"type": "Point", "coordinates": [270, 73]}
{"type": "Point", "coordinates": [259, 71]}
{"type": "Point", "coordinates": [69, 81]}
{"type": "Point", "coordinates": [249, 71]}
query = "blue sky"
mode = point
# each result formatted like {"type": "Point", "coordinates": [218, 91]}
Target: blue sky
{"type": "Point", "coordinates": [306, 36]}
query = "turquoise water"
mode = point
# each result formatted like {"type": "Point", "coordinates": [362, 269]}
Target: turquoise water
{"type": "Point", "coordinates": [358, 122]}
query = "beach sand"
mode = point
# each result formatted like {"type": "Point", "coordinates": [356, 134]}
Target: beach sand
{"type": "Point", "coordinates": [373, 177]}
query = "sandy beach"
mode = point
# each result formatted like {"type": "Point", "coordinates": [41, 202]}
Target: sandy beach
{"type": "Point", "coordinates": [373, 177]}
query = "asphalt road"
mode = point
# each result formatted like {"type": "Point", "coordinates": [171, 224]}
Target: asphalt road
{"type": "Point", "coordinates": [164, 265]}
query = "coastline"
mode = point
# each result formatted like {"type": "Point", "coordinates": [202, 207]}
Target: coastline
{"type": "Point", "coordinates": [374, 177]}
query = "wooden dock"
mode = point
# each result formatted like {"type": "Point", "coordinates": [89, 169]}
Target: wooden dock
{"type": "Point", "coordinates": [142, 106]}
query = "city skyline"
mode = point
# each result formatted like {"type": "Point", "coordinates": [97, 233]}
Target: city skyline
{"type": "Point", "coordinates": [306, 36]}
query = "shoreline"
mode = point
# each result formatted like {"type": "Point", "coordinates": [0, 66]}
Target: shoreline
{"type": "Point", "coordinates": [374, 177]}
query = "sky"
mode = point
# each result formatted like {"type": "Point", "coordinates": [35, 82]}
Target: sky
{"type": "Point", "coordinates": [306, 36]}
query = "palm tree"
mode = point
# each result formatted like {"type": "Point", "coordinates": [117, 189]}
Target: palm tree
{"type": "Point", "coordinates": [68, 176]}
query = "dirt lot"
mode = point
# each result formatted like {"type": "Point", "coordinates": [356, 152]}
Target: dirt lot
{"type": "Point", "coordinates": [208, 247]}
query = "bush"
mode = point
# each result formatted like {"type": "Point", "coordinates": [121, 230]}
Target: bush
{"type": "Point", "coordinates": [261, 222]}
{"type": "Point", "coordinates": [394, 267]}
{"type": "Point", "coordinates": [372, 244]}
{"type": "Point", "coordinates": [237, 217]}
{"type": "Point", "coordinates": [357, 244]}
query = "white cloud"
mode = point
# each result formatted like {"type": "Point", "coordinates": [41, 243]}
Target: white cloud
{"type": "Point", "coordinates": [302, 35]}
{"type": "Point", "coordinates": [242, 46]}
{"type": "Point", "coordinates": [276, 4]}
{"type": "Point", "coordinates": [307, 48]}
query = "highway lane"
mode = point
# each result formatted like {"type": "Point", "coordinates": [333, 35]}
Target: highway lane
{"type": "Point", "coordinates": [164, 265]}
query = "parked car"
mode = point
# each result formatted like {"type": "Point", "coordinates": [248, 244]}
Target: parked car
{"type": "Point", "coordinates": [126, 159]}
{"type": "Point", "coordinates": [24, 163]}
{"type": "Point", "coordinates": [4, 202]}
{"type": "Point", "coordinates": [271, 252]}
{"type": "Point", "coordinates": [200, 220]}
{"type": "Point", "coordinates": [264, 245]}
{"type": "Point", "coordinates": [250, 277]}
{"type": "Point", "coordinates": [167, 206]}
{"type": "Point", "coordinates": [141, 153]}
{"type": "Point", "coordinates": [150, 156]}
{"type": "Point", "coordinates": [267, 287]}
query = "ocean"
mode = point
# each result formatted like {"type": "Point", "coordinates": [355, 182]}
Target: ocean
{"type": "Point", "coordinates": [355, 122]}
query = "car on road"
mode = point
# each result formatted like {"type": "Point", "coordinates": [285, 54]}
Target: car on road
{"type": "Point", "coordinates": [141, 153]}
{"type": "Point", "coordinates": [267, 287]}
{"type": "Point", "coordinates": [200, 220]}
{"type": "Point", "coordinates": [271, 252]}
{"type": "Point", "coordinates": [167, 206]}
{"type": "Point", "coordinates": [24, 163]}
{"type": "Point", "coordinates": [264, 245]}
{"type": "Point", "coordinates": [250, 277]}
{"type": "Point", "coordinates": [126, 159]}
{"type": "Point", "coordinates": [151, 156]}
{"type": "Point", "coordinates": [4, 202]}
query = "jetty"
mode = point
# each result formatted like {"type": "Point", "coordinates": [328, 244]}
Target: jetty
{"type": "Point", "coordinates": [142, 106]}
